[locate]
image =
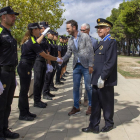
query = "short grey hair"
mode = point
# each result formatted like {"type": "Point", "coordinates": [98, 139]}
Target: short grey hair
{"type": "Point", "coordinates": [108, 28]}
{"type": "Point", "coordinates": [87, 25]}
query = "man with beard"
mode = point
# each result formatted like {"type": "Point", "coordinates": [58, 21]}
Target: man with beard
{"type": "Point", "coordinates": [8, 63]}
{"type": "Point", "coordinates": [81, 47]}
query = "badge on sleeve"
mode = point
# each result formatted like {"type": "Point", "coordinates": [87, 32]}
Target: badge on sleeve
{"type": "Point", "coordinates": [4, 85]}
{"type": "Point", "coordinates": [101, 47]}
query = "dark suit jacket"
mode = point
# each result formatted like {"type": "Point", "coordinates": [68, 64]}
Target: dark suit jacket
{"type": "Point", "coordinates": [105, 62]}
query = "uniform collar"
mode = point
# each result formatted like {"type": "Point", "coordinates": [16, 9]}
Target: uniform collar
{"type": "Point", "coordinates": [106, 37]}
{"type": "Point", "coordinates": [5, 28]}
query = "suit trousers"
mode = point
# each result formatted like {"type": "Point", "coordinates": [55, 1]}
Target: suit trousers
{"type": "Point", "coordinates": [102, 99]}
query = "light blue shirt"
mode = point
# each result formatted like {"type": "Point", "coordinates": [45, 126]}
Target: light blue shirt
{"type": "Point", "coordinates": [76, 43]}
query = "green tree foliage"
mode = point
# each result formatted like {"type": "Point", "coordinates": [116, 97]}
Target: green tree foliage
{"type": "Point", "coordinates": [35, 11]}
{"type": "Point", "coordinates": [126, 21]}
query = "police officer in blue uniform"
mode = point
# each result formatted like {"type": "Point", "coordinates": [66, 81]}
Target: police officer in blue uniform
{"type": "Point", "coordinates": [40, 71]}
{"type": "Point", "coordinates": [8, 63]}
{"type": "Point", "coordinates": [30, 49]}
{"type": "Point", "coordinates": [104, 78]}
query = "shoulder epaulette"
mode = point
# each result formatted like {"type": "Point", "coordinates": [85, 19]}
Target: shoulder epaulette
{"type": "Point", "coordinates": [33, 39]}
{"type": "Point", "coordinates": [111, 37]}
{"type": "Point", "coordinates": [1, 29]}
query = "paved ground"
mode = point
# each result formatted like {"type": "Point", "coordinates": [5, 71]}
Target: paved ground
{"type": "Point", "coordinates": [53, 123]}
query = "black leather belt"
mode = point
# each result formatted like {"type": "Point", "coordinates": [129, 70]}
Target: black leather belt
{"type": "Point", "coordinates": [8, 68]}
{"type": "Point", "coordinates": [27, 61]}
{"type": "Point", "coordinates": [40, 59]}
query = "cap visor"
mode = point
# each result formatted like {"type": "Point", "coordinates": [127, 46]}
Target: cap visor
{"type": "Point", "coordinates": [13, 13]}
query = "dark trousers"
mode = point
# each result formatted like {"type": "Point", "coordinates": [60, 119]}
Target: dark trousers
{"type": "Point", "coordinates": [8, 81]}
{"type": "Point", "coordinates": [46, 88]}
{"type": "Point", "coordinates": [53, 74]}
{"type": "Point", "coordinates": [39, 77]}
{"type": "Point", "coordinates": [25, 73]}
{"type": "Point", "coordinates": [102, 99]}
{"type": "Point", "coordinates": [58, 72]}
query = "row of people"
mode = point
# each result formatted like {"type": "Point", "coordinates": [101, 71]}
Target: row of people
{"type": "Point", "coordinates": [35, 50]}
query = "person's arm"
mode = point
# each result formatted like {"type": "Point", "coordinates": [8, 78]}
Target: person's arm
{"type": "Point", "coordinates": [68, 54]}
{"type": "Point", "coordinates": [49, 62]}
{"type": "Point", "coordinates": [59, 54]}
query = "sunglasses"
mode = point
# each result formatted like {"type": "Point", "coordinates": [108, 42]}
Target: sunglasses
{"type": "Point", "coordinates": [83, 30]}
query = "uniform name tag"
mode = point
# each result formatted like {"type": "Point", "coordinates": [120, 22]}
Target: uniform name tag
{"type": "Point", "coordinates": [5, 35]}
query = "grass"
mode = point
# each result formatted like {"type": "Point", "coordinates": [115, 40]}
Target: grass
{"type": "Point", "coordinates": [138, 62]}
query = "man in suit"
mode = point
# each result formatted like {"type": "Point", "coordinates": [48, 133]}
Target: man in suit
{"type": "Point", "coordinates": [104, 78]}
{"type": "Point", "coordinates": [81, 47]}
{"type": "Point", "coordinates": [85, 28]}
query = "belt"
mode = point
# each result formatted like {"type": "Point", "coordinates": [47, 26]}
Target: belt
{"type": "Point", "coordinates": [40, 59]}
{"type": "Point", "coordinates": [8, 68]}
{"type": "Point", "coordinates": [27, 61]}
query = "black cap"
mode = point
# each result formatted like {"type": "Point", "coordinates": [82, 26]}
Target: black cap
{"type": "Point", "coordinates": [44, 24]}
{"type": "Point", "coordinates": [51, 32]}
{"type": "Point", "coordinates": [56, 33]}
{"type": "Point", "coordinates": [33, 26]}
{"type": "Point", "coordinates": [61, 36]}
{"type": "Point", "coordinates": [7, 10]}
{"type": "Point", "coordinates": [103, 22]}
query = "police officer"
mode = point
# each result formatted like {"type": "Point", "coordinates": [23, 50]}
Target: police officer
{"type": "Point", "coordinates": [8, 63]}
{"type": "Point", "coordinates": [40, 71]}
{"type": "Point", "coordinates": [30, 49]}
{"type": "Point", "coordinates": [104, 78]}
{"type": "Point", "coordinates": [49, 75]}
{"type": "Point", "coordinates": [59, 67]}
{"type": "Point", "coordinates": [55, 47]}
{"type": "Point", "coordinates": [63, 52]}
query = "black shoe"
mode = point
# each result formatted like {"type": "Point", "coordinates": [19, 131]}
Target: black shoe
{"type": "Point", "coordinates": [67, 72]}
{"type": "Point", "coordinates": [32, 115]}
{"type": "Point", "coordinates": [47, 97]}
{"type": "Point", "coordinates": [8, 134]}
{"type": "Point", "coordinates": [39, 104]}
{"type": "Point", "coordinates": [51, 95]}
{"type": "Point", "coordinates": [64, 75]}
{"type": "Point", "coordinates": [88, 129]}
{"type": "Point", "coordinates": [62, 79]}
{"type": "Point", "coordinates": [2, 138]}
{"type": "Point", "coordinates": [59, 83]}
{"type": "Point", "coordinates": [53, 89]}
{"type": "Point", "coordinates": [26, 118]}
{"type": "Point", "coordinates": [44, 103]}
{"type": "Point", "coordinates": [106, 128]}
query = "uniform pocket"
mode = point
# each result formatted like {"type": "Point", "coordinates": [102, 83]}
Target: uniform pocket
{"type": "Point", "coordinates": [100, 57]}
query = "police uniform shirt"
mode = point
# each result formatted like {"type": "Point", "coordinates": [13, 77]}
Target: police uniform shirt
{"type": "Point", "coordinates": [51, 47]}
{"type": "Point", "coordinates": [44, 46]}
{"type": "Point", "coordinates": [60, 47]}
{"type": "Point", "coordinates": [30, 49]}
{"type": "Point", "coordinates": [56, 49]}
{"type": "Point", "coordinates": [105, 62]}
{"type": "Point", "coordinates": [8, 48]}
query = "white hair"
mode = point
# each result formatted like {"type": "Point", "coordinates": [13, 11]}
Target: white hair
{"type": "Point", "coordinates": [87, 25]}
{"type": "Point", "coordinates": [109, 29]}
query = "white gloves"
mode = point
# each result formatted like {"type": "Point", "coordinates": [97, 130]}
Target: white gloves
{"type": "Point", "coordinates": [45, 31]}
{"type": "Point", "coordinates": [1, 88]}
{"type": "Point", "coordinates": [100, 83]}
{"type": "Point", "coordinates": [49, 68]}
{"type": "Point", "coordinates": [59, 60]}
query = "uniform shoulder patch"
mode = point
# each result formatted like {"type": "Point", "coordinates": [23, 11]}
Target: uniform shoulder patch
{"type": "Point", "coordinates": [111, 37]}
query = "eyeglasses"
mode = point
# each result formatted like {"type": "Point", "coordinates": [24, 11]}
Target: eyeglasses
{"type": "Point", "coordinates": [83, 30]}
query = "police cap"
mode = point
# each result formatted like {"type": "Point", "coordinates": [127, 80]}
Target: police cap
{"type": "Point", "coordinates": [44, 24]}
{"type": "Point", "coordinates": [56, 33]}
{"type": "Point", "coordinates": [33, 26]}
{"type": "Point", "coordinates": [61, 36]}
{"type": "Point", "coordinates": [51, 32]}
{"type": "Point", "coordinates": [103, 22]}
{"type": "Point", "coordinates": [7, 10]}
